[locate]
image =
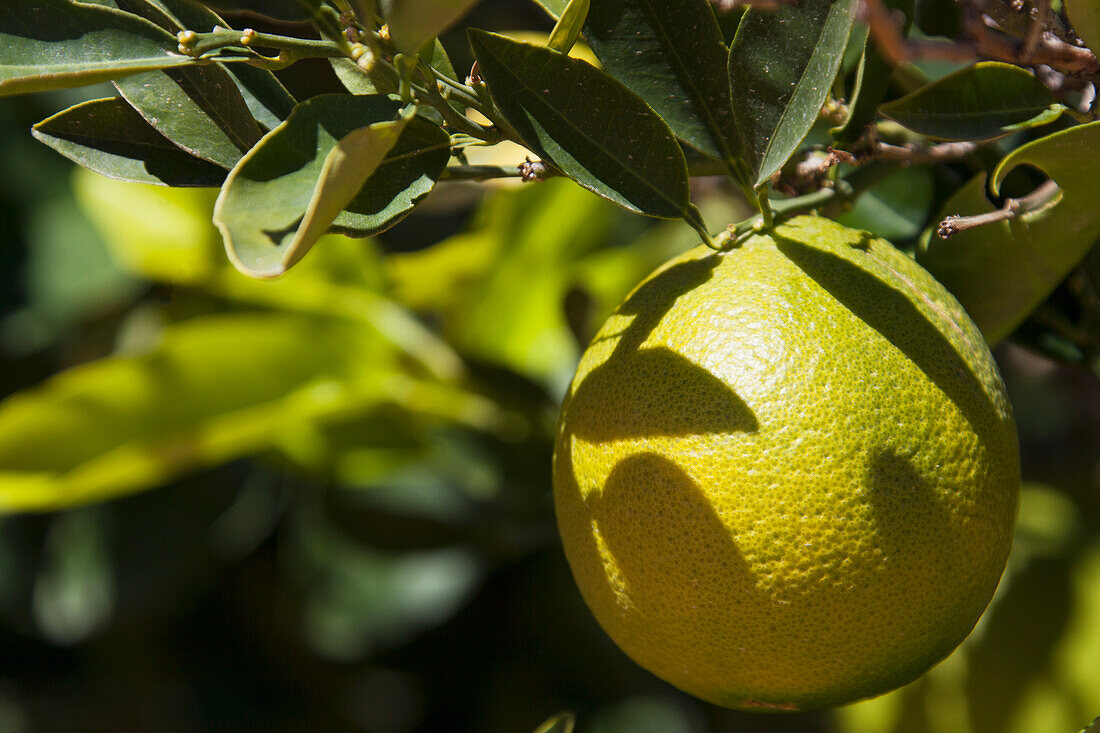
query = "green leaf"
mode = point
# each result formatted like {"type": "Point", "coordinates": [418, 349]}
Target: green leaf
{"type": "Point", "coordinates": [984, 101]}
{"type": "Point", "coordinates": [109, 137]}
{"type": "Point", "coordinates": [671, 54]}
{"type": "Point", "coordinates": [568, 28]}
{"type": "Point", "coordinates": [560, 723]}
{"type": "Point", "coordinates": [553, 8]}
{"type": "Point", "coordinates": [587, 124]}
{"type": "Point", "coordinates": [1001, 272]}
{"type": "Point", "coordinates": [782, 65]}
{"type": "Point", "coordinates": [55, 44]}
{"type": "Point", "coordinates": [287, 190]}
{"type": "Point", "coordinates": [413, 23]}
{"type": "Point", "coordinates": [198, 108]}
{"type": "Point", "coordinates": [214, 389]}
{"type": "Point", "coordinates": [267, 99]}
{"type": "Point", "coordinates": [896, 208]}
{"type": "Point", "coordinates": [498, 290]}
{"type": "Point", "coordinates": [408, 174]}
{"type": "Point", "coordinates": [872, 80]}
{"type": "Point", "coordinates": [1085, 17]}
{"type": "Point", "coordinates": [277, 9]}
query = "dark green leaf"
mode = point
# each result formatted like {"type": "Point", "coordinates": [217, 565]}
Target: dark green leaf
{"type": "Point", "coordinates": [109, 137]}
{"type": "Point", "coordinates": [1085, 17]}
{"type": "Point", "coordinates": [278, 9]}
{"type": "Point", "coordinates": [593, 128]}
{"type": "Point", "coordinates": [872, 80]}
{"type": "Point", "coordinates": [413, 23]}
{"type": "Point", "coordinates": [53, 44]}
{"type": "Point", "coordinates": [402, 180]}
{"type": "Point", "coordinates": [287, 190]}
{"type": "Point", "coordinates": [267, 99]}
{"type": "Point", "coordinates": [671, 54]}
{"type": "Point", "coordinates": [782, 65]}
{"type": "Point", "coordinates": [356, 81]}
{"type": "Point", "coordinates": [198, 108]}
{"type": "Point", "coordinates": [1001, 272]}
{"type": "Point", "coordinates": [896, 208]}
{"type": "Point", "coordinates": [151, 10]}
{"type": "Point", "coordinates": [983, 101]}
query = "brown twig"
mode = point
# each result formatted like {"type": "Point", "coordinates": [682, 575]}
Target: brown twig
{"type": "Point", "coordinates": [985, 41]}
{"type": "Point", "coordinates": [1041, 197]}
{"type": "Point", "coordinates": [939, 153]}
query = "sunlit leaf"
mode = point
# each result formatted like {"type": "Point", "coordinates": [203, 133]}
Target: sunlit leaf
{"type": "Point", "coordinates": [593, 128]}
{"type": "Point", "coordinates": [782, 64]}
{"type": "Point", "coordinates": [214, 389]}
{"type": "Point", "coordinates": [413, 23]}
{"type": "Point", "coordinates": [1000, 272]}
{"type": "Point", "coordinates": [671, 54]}
{"type": "Point", "coordinates": [567, 30]}
{"type": "Point", "coordinates": [560, 723]}
{"type": "Point", "coordinates": [288, 189]}
{"type": "Point", "coordinates": [165, 234]}
{"type": "Point", "coordinates": [406, 175]}
{"type": "Point", "coordinates": [983, 101]}
{"type": "Point", "coordinates": [53, 44]}
{"type": "Point", "coordinates": [108, 136]}
{"type": "Point", "coordinates": [198, 108]}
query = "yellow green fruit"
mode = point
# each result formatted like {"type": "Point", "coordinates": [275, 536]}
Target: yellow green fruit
{"type": "Point", "coordinates": [786, 476]}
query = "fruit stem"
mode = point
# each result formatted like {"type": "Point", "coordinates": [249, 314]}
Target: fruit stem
{"type": "Point", "coordinates": [767, 217]}
{"type": "Point", "coordinates": [694, 217]}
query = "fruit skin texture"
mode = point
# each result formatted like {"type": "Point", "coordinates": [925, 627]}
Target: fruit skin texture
{"type": "Point", "coordinates": [786, 476]}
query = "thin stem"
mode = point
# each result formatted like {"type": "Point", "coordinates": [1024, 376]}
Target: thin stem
{"type": "Point", "coordinates": [1043, 196]}
{"type": "Point", "coordinates": [200, 44]}
{"type": "Point", "coordinates": [767, 217]}
{"type": "Point", "coordinates": [480, 172]}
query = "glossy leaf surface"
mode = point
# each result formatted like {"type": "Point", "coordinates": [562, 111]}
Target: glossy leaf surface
{"type": "Point", "coordinates": [593, 128]}
{"type": "Point", "coordinates": [408, 174]}
{"type": "Point", "coordinates": [984, 101]}
{"type": "Point", "coordinates": [109, 137]}
{"type": "Point", "coordinates": [54, 44]}
{"type": "Point", "coordinates": [288, 189]}
{"type": "Point", "coordinates": [198, 108]}
{"type": "Point", "coordinates": [671, 54]}
{"type": "Point", "coordinates": [782, 64]}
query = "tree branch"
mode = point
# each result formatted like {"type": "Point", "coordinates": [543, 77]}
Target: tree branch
{"type": "Point", "coordinates": [1041, 197]}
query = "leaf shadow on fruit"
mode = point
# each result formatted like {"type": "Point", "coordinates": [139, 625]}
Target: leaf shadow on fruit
{"type": "Point", "coordinates": [893, 315]}
{"type": "Point", "coordinates": [678, 568]}
{"type": "Point", "coordinates": [655, 391]}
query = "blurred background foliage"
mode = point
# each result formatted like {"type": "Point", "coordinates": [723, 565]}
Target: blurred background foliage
{"type": "Point", "coordinates": [352, 526]}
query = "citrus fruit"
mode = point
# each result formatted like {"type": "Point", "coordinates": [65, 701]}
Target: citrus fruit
{"type": "Point", "coordinates": [786, 476]}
